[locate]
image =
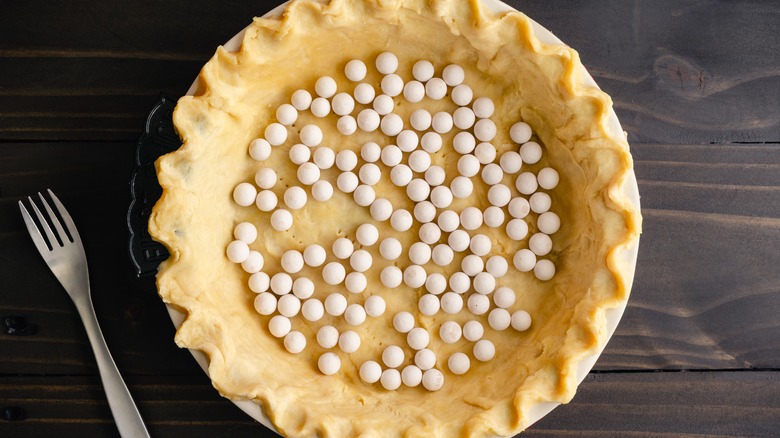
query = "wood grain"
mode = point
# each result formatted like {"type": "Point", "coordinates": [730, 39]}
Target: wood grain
{"type": "Point", "coordinates": [76, 407]}
{"type": "Point", "coordinates": [665, 65]}
{"type": "Point", "coordinates": [707, 259]}
{"type": "Point", "coordinates": [98, 81]}
{"type": "Point", "coordinates": [715, 404]}
{"type": "Point", "coordinates": [669, 405]}
{"type": "Point", "coordinates": [91, 179]}
{"type": "Point", "coordinates": [705, 296]}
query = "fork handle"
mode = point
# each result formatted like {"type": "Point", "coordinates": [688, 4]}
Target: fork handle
{"type": "Point", "coordinates": [128, 419]}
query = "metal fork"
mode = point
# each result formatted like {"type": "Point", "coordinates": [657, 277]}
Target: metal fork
{"type": "Point", "coordinates": [65, 256]}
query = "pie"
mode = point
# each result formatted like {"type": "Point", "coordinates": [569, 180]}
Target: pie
{"type": "Point", "coordinates": [306, 389]}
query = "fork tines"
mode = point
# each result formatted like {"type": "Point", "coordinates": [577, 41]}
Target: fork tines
{"type": "Point", "coordinates": [63, 236]}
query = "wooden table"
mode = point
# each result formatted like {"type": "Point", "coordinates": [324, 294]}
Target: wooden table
{"type": "Point", "coordinates": [696, 85]}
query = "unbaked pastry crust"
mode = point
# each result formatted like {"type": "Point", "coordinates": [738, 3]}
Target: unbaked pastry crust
{"type": "Point", "coordinates": [528, 80]}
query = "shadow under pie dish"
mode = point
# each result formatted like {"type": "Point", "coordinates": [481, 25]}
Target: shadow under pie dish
{"type": "Point", "coordinates": [235, 111]}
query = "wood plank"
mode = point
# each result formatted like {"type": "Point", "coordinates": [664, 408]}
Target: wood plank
{"type": "Point", "coordinates": [119, 114]}
{"type": "Point", "coordinates": [26, 168]}
{"type": "Point", "coordinates": [96, 76]}
{"type": "Point", "coordinates": [763, 154]}
{"type": "Point", "coordinates": [693, 404]}
{"type": "Point", "coordinates": [98, 82]}
{"type": "Point", "coordinates": [133, 319]}
{"type": "Point", "coordinates": [668, 84]}
{"type": "Point", "coordinates": [742, 175]}
{"type": "Point", "coordinates": [92, 181]}
{"type": "Point", "coordinates": [740, 180]}
{"type": "Point", "coordinates": [143, 29]}
{"type": "Point", "coordinates": [737, 200]}
{"type": "Point", "coordinates": [664, 64]}
{"type": "Point", "coordinates": [681, 174]}
{"type": "Point", "coordinates": [706, 295]}
{"type": "Point", "coordinates": [669, 405]}
{"type": "Point", "coordinates": [76, 406]}
{"type": "Point", "coordinates": [99, 79]}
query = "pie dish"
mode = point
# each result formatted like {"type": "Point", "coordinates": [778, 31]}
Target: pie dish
{"type": "Point", "coordinates": [542, 84]}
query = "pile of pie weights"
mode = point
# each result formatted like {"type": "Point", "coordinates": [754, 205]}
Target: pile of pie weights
{"type": "Point", "coordinates": [284, 297]}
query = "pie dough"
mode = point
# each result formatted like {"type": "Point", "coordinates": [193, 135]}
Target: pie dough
{"type": "Point", "coordinates": [529, 81]}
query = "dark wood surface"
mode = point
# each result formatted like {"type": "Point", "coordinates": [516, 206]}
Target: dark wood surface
{"type": "Point", "coordinates": [696, 84]}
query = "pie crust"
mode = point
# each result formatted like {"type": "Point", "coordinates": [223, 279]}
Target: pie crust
{"type": "Point", "coordinates": [540, 84]}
